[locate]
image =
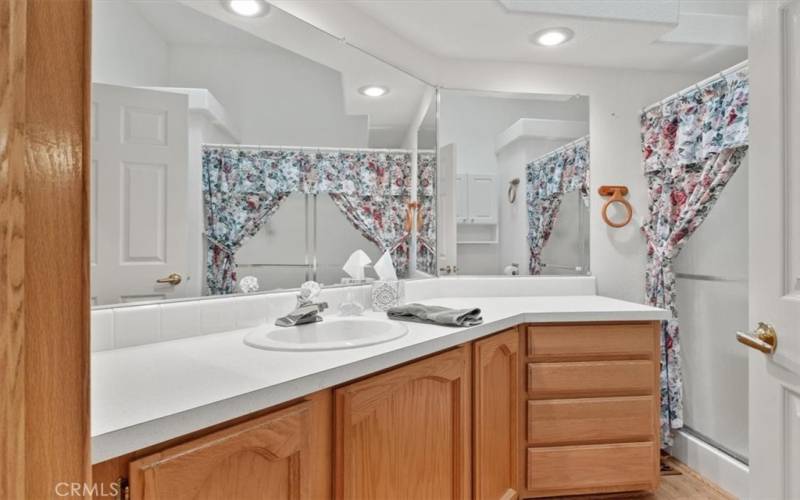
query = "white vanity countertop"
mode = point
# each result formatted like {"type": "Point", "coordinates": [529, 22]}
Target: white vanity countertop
{"type": "Point", "coordinates": [151, 393]}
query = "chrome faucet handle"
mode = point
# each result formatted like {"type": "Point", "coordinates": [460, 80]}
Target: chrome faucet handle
{"type": "Point", "coordinates": [310, 289]}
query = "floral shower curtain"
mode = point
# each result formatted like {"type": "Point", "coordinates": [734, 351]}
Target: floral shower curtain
{"type": "Point", "coordinates": [381, 220]}
{"type": "Point", "coordinates": [243, 187]}
{"type": "Point", "coordinates": [426, 196]}
{"type": "Point", "coordinates": [549, 178]}
{"type": "Point", "coordinates": [691, 148]}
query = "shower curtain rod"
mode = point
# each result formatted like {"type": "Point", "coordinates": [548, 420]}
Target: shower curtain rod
{"type": "Point", "coordinates": [577, 141]}
{"type": "Point", "coordinates": [316, 148]}
{"type": "Point", "coordinates": [722, 75]}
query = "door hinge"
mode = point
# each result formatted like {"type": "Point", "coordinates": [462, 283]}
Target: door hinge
{"type": "Point", "coordinates": [123, 489]}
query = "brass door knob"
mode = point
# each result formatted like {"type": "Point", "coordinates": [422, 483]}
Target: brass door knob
{"type": "Point", "coordinates": [173, 279]}
{"type": "Point", "coordinates": [764, 339]}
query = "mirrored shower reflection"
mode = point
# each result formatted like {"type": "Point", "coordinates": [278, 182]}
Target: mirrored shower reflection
{"type": "Point", "coordinates": [518, 168]}
{"type": "Point", "coordinates": [248, 147]}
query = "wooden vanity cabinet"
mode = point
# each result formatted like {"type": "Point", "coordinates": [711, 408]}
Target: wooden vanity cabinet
{"type": "Point", "coordinates": [405, 433]}
{"type": "Point", "coordinates": [495, 427]}
{"type": "Point", "coordinates": [274, 455]}
{"type": "Point", "coordinates": [268, 457]}
{"type": "Point", "coordinates": [590, 406]}
{"type": "Point", "coordinates": [533, 411]}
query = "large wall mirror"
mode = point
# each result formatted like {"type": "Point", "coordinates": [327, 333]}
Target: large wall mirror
{"type": "Point", "coordinates": [227, 147]}
{"type": "Point", "coordinates": [514, 183]}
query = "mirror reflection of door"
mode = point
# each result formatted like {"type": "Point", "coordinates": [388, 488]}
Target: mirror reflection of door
{"type": "Point", "coordinates": [138, 191]}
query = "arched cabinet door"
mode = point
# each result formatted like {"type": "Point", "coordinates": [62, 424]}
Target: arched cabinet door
{"type": "Point", "coordinates": [405, 434]}
{"type": "Point", "coordinates": [266, 458]}
{"type": "Point", "coordinates": [495, 428]}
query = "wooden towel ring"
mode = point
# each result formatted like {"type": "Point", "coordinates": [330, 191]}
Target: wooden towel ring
{"type": "Point", "coordinates": [617, 194]}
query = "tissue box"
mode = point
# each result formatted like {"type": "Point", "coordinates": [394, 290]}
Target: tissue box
{"type": "Point", "coordinates": [386, 294]}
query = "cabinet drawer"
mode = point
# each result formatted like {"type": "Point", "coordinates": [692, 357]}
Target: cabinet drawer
{"type": "Point", "coordinates": [592, 341]}
{"type": "Point", "coordinates": [591, 378]}
{"type": "Point", "coordinates": [592, 420]}
{"type": "Point", "coordinates": [594, 468]}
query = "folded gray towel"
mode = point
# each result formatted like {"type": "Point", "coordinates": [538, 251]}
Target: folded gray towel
{"type": "Point", "coordinates": [436, 314]}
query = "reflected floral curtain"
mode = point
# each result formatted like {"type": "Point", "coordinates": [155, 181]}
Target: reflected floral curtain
{"type": "Point", "coordinates": [426, 196]}
{"type": "Point", "coordinates": [242, 189]}
{"type": "Point", "coordinates": [381, 220]}
{"type": "Point", "coordinates": [549, 178]}
{"type": "Point", "coordinates": [691, 148]}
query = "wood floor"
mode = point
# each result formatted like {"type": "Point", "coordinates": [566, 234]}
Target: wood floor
{"type": "Point", "coordinates": [688, 485]}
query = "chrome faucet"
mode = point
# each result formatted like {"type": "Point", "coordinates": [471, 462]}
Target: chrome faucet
{"type": "Point", "coordinates": [306, 311]}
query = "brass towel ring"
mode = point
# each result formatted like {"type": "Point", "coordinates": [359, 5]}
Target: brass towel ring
{"type": "Point", "coordinates": [617, 194]}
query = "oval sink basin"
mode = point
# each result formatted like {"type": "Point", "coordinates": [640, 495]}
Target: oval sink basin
{"type": "Point", "coordinates": [332, 333]}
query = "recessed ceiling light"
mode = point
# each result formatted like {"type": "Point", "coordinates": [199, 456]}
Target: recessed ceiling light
{"type": "Point", "coordinates": [373, 91]}
{"type": "Point", "coordinates": [551, 37]}
{"type": "Point", "coordinates": [247, 8]}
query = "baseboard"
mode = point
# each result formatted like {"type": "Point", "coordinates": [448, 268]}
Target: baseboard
{"type": "Point", "coordinates": [718, 467]}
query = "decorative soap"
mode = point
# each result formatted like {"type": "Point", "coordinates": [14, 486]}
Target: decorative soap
{"type": "Point", "coordinates": [386, 294]}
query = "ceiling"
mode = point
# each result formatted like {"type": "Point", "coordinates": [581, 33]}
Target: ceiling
{"type": "Point", "coordinates": [660, 35]}
{"type": "Point", "coordinates": [698, 36]}
{"type": "Point", "coordinates": [209, 23]}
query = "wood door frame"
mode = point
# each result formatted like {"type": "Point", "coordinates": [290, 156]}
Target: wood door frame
{"type": "Point", "coordinates": [44, 252]}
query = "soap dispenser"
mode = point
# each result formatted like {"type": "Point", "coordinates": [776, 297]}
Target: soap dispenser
{"type": "Point", "coordinates": [350, 307]}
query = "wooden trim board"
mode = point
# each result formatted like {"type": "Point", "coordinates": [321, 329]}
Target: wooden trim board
{"type": "Point", "coordinates": [12, 249]}
{"type": "Point", "coordinates": [44, 252]}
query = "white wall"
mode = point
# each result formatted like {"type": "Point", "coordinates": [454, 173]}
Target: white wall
{"type": "Point", "coordinates": [126, 49]}
{"type": "Point", "coordinates": [473, 122]}
{"type": "Point", "coordinates": [275, 96]}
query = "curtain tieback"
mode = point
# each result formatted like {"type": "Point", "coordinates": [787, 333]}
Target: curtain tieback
{"type": "Point", "coordinates": [661, 257]}
{"type": "Point", "coordinates": [221, 246]}
{"type": "Point", "coordinates": [398, 242]}
{"type": "Point", "coordinates": [413, 207]}
{"type": "Point", "coordinates": [424, 242]}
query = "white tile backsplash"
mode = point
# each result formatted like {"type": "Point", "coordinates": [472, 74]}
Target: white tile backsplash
{"type": "Point", "coordinates": [136, 325]}
{"type": "Point", "coordinates": [102, 330]}
{"type": "Point", "coordinates": [180, 320]}
{"type": "Point", "coordinates": [133, 325]}
{"type": "Point", "coordinates": [251, 311]}
{"type": "Point", "coordinates": [218, 315]}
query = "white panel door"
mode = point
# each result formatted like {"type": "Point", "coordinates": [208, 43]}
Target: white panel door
{"type": "Point", "coordinates": [774, 220]}
{"type": "Point", "coordinates": [462, 193]}
{"type": "Point", "coordinates": [448, 199]}
{"type": "Point", "coordinates": [482, 199]}
{"type": "Point", "coordinates": [139, 173]}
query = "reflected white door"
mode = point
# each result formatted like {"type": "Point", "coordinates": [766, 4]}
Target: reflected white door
{"type": "Point", "coordinates": [462, 194]}
{"type": "Point", "coordinates": [446, 192]}
{"type": "Point", "coordinates": [138, 193]}
{"type": "Point", "coordinates": [774, 222]}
